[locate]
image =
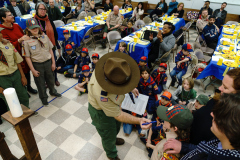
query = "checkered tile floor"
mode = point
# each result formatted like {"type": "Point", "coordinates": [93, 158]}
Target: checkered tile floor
{"type": "Point", "coordinates": [63, 131]}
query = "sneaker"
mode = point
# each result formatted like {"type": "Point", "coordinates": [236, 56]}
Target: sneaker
{"type": "Point", "coordinates": [80, 93]}
{"type": "Point", "coordinates": [66, 72]}
{"type": "Point", "coordinates": [120, 141]}
{"type": "Point", "coordinates": [56, 94]}
{"type": "Point", "coordinates": [68, 75]}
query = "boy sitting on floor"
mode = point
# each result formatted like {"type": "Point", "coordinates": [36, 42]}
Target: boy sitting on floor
{"type": "Point", "coordinates": [160, 77]}
{"type": "Point", "coordinates": [83, 80]}
{"type": "Point", "coordinates": [95, 58]}
{"type": "Point", "coordinates": [66, 41]}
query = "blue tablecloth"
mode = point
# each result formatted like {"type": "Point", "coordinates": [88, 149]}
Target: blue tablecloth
{"type": "Point", "coordinates": [21, 22]}
{"type": "Point", "coordinates": [212, 68]}
{"type": "Point", "coordinates": [143, 50]}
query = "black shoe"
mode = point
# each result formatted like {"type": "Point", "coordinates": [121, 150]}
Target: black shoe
{"type": "Point", "coordinates": [68, 75]}
{"type": "Point", "coordinates": [0, 121]}
{"type": "Point", "coordinates": [103, 43]}
{"type": "Point", "coordinates": [29, 96]}
{"type": "Point", "coordinates": [56, 94]}
{"type": "Point", "coordinates": [31, 90]}
{"type": "Point", "coordinates": [172, 84]}
{"type": "Point", "coordinates": [45, 103]}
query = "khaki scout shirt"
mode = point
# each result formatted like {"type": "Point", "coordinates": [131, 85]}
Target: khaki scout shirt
{"type": "Point", "coordinates": [158, 153]}
{"type": "Point", "coordinates": [36, 52]}
{"type": "Point", "coordinates": [87, 6]}
{"type": "Point", "coordinates": [102, 100]}
{"type": "Point", "coordinates": [114, 19]}
{"type": "Point", "coordinates": [201, 23]}
{"type": "Point", "coordinates": [13, 58]}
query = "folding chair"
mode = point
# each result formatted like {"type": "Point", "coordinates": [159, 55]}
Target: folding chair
{"type": "Point", "coordinates": [124, 23]}
{"type": "Point", "coordinates": [99, 11]}
{"type": "Point", "coordinates": [187, 27]}
{"type": "Point", "coordinates": [91, 14]}
{"type": "Point", "coordinates": [82, 15]}
{"type": "Point", "coordinates": [232, 22]}
{"type": "Point", "coordinates": [71, 20]}
{"type": "Point", "coordinates": [175, 48]}
{"type": "Point", "coordinates": [88, 37]}
{"type": "Point", "coordinates": [58, 23]}
{"type": "Point", "coordinates": [147, 20]}
{"type": "Point", "coordinates": [201, 57]}
{"type": "Point", "coordinates": [160, 60]}
{"type": "Point", "coordinates": [198, 33]}
{"type": "Point", "coordinates": [204, 48]}
{"type": "Point", "coordinates": [70, 15]}
{"type": "Point", "coordinates": [113, 35]}
{"type": "Point", "coordinates": [138, 24]}
{"type": "Point", "coordinates": [98, 32]}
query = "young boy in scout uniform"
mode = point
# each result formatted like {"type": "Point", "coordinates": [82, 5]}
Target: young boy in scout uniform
{"type": "Point", "coordinates": [142, 62]}
{"type": "Point", "coordinates": [83, 80]}
{"type": "Point", "coordinates": [95, 58]}
{"type": "Point", "coordinates": [114, 20]}
{"type": "Point", "coordinates": [160, 77]}
{"type": "Point", "coordinates": [39, 56]}
{"type": "Point", "coordinates": [11, 73]}
{"type": "Point", "coordinates": [106, 91]}
{"type": "Point", "coordinates": [66, 41]}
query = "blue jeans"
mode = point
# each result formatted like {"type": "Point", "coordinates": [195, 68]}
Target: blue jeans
{"type": "Point", "coordinates": [178, 74]}
{"type": "Point", "coordinates": [127, 128]}
{"type": "Point", "coordinates": [71, 71]}
{"type": "Point", "coordinates": [66, 68]}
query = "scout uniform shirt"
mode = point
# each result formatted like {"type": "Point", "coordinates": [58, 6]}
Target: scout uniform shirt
{"type": "Point", "coordinates": [87, 5]}
{"type": "Point", "coordinates": [183, 66]}
{"type": "Point", "coordinates": [81, 61]}
{"type": "Point", "coordinates": [82, 78]}
{"type": "Point", "coordinates": [114, 19]}
{"type": "Point", "coordinates": [102, 100]}
{"type": "Point", "coordinates": [35, 51]}
{"type": "Point", "coordinates": [66, 42]}
{"type": "Point", "coordinates": [159, 77]}
{"type": "Point", "coordinates": [158, 151]}
{"type": "Point", "coordinates": [9, 58]}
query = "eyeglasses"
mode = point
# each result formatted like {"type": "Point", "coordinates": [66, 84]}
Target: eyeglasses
{"type": "Point", "coordinates": [42, 9]}
{"type": "Point", "coordinates": [10, 15]}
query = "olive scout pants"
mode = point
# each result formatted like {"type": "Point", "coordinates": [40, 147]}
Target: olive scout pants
{"type": "Point", "coordinates": [14, 81]}
{"type": "Point", "coordinates": [107, 127]}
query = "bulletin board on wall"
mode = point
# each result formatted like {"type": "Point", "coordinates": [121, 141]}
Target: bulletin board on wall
{"type": "Point", "coordinates": [233, 2]}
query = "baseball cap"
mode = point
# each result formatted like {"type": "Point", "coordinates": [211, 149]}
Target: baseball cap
{"type": "Point", "coordinates": [84, 50]}
{"type": "Point", "coordinates": [187, 47]}
{"type": "Point", "coordinates": [85, 68]}
{"type": "Point", "coordinates": [32, 23]}
{"type": "Point", "coordinates": [202, 99]}
{"type": "Point", "coordinates": [167, 95]}
{"type": "Point", "coordinates": [65, 31]}
{"type": "Point", "coordinates": [68, 47]}
{"type": "Point", "coordinates": [164, 65]}
{"type": "Point", "coordinates": [178, 115]}
{"type": "Point", "coordinates": [95, 55]}
{"type": "Point", "coordinates": [143, 59]}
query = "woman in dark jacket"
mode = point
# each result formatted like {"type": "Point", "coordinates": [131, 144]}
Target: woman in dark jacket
{"type": "Point", "coordinates": [108, 5]}
{"type": "Point", "coordinates": [178, 12]}
{"type": "Point", "coordinates": [48, 27]}
{"type": "Point", "coordinates": [160, 8]}
{"type": "Point", "coordinates": [68, 9]}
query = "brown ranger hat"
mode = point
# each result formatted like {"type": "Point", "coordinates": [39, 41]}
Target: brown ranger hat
{"type": "Point", "coordinates": [117, 73]}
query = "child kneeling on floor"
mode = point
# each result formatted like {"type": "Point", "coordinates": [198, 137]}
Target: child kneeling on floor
{"type": "Point", "coordinates": [184, 93]}
{"type": "Point", "coordinates": [177, 122]}
{"type": "Point", "coordinates": [66, 61]}
{"type": "Point", "coordinates": [83, 80]}
{"type": "Point", "coordinates": [181, 61]}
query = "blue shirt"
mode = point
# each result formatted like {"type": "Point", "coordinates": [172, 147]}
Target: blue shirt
{"type": "Point", "coordinates": [172, 5]}
{"type": "Point", "coordinates": [183, 66]}
{"type": "Point", "coordinates": [82, 78]}
{"type": "Point", "coordinates": [81, 61]}
{"type": "Point", "coordinates": [159, 77]}
{"type": "Point", "coordinates": [161, 5]}
{"type": "Point", "coordinates": [210, 33]}
{"type": "Point", "coordinates": [148, 88]}
{"type": "Point", "coordinates": [64, 43]}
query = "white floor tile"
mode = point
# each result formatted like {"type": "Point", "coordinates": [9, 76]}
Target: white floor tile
{"type": "Point", "coordinates": [72, 123]}
{"type": "Point", "coordinates": [136, 154]}
{"type": "Point", "coordinates": [71, 107]}
{"type": "Point", "coordinates": [46, 148]}
{"type": "Point", "coordinates": [44, 128]}
{"type": "Point", "coordinates": [11, 135]}
{"type": "Point", "coordinates": [47, 111]}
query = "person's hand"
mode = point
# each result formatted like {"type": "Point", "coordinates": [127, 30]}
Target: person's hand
{"type": "Point", "coordinates": [74, 75]}
{"type": "Point", "coordinates": [184, 102]}
{"type": "Point", "coordinates": [5, 41]}
{"type": "Point", "coordinates": [87, 79]}
{"type": "Point", "coordinates": [148, 145]}
{"type": "Point", "coordinates": [73, 12]}
{"type": "Point", "coordinates": [25, 38]}
{"type": "Point", "coordinates": [24, 81]}
{"type": "Point", "coordinates": [159, 36]}
{"type": "Point", "coordinates": [180, 102]}
{"type": "Point", "coordinates": [151, 37]}
{"type": "Point", "coordinates": [176, 14]}
{"type": "Point", "coordinates": [135, 92]}
{"type": "Point", "coordinates": [1, 90]}
{"type": "Point", "coordinates": [53, 67]}
{"type": "Point", "coordinates": [178, 64]}
{"type": "Point", "coordinates": [149, 141]}
{"type": "Point", "coordinates": [35, 73]}
{"type": "Point", "coordinates": [144, 120]}
{"type": "Point", "coordinates": [59, 67]}
{"type": "Point", "coordinates": [172, 144]}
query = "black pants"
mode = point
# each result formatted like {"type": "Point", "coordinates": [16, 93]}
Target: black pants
{"type": "Point", "coordinates": [98, 4]}
{"type": "Point", "coordinates": [212, 45]}
{"type": "Point", "coordinates": [28, 77]}
{"type": "Point", "coordinates": [151, 59]}
{"type": "Point", "coordinates": [155, 11]}
{"type": "Point", "coordinates": [3, 107]}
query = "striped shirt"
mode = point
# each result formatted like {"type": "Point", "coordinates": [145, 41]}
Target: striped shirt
{"type": "Point", "coordinates": [17, 11]}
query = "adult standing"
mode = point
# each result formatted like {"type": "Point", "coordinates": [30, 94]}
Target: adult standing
{"type": "Point", "coordinates": [207, 7]}
{"type": "Point", "coordinates": [115, 75]}
{"type": "Point", "coordinates": [172, 5]}
{"type": "Point", "coordinates": [164, 41]}
{"type": "Point", "coordinates": [14, 33]}
{"type": "Point", "coordinates": [48, 27]}
{"type": "Point", "coordinates": [200, 130]}
{"type": "Point", "coordinates": [220, 15]}
{"type": "Point", "coordinates": [25, 5]}
{"type": "Point", "coordinates": [17, 10]}
{"type": "Point", "coordinates": [114, 20]}
{"type": "Point", "coordinates": [178, 12]}
{"type": "Point", "coordinates": [54, 12]}
{"type": "Point", "coordinates": [161, 7]}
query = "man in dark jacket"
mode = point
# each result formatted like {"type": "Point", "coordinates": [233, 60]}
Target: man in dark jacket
{"type": "Point", "coordinates": [54, 12]}
{"type": "Point", "coordinates": [16, 10]}
{"type": "Point", "coordinates": [220, 15]}
{"type": "Point", "coordinates": [206, 6]}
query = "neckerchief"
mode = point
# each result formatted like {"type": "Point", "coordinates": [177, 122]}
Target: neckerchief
{"type": "Point", "coordinates": [3, 59]}
{"type": "Point", "coordinates": [169, 104]}
{"type": "Point", "coordinates": [159, 77]}
{"type": "Point", "coordinates": [150, 81]}
{"type": "Point", "coordinates": [38, 38]}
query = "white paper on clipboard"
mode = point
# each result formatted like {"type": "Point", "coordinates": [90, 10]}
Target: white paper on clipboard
{"type": "Point", "coordinates": [139, 106]}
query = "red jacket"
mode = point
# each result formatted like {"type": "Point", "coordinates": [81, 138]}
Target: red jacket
{"type": "Point", "coordinates": [13, 34]}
